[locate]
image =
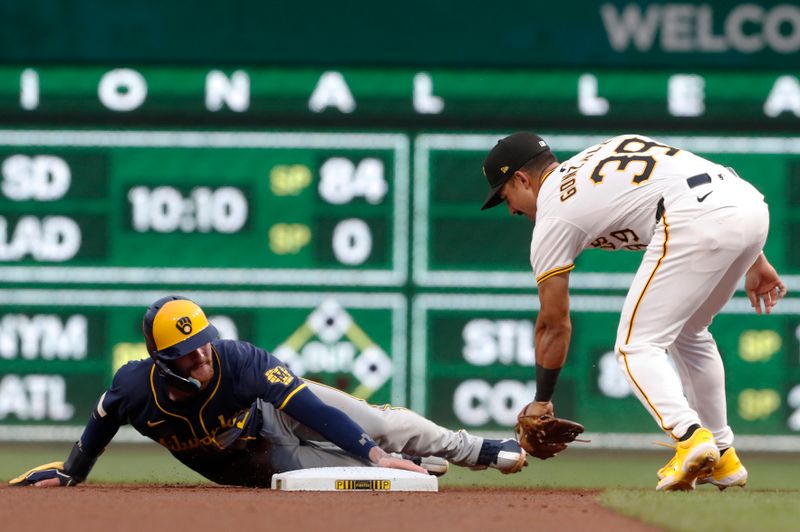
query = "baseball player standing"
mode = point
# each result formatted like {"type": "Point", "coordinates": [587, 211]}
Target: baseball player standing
{"type": "Point", "coordinates": [701, 228]}
{"type": "Point", "coordinates": [236, 415]}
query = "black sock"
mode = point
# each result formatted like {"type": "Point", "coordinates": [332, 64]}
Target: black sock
{"type": "Point", "coordinates": [689, 432]}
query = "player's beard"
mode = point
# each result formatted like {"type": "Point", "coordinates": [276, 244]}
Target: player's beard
{"type": "Point", "coordinates": [203, 372]}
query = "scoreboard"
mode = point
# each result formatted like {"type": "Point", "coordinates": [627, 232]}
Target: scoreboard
{"type": "Point", "coordinates": [263, 208]}
{"type": "Point", "coordinates": [332, 217]}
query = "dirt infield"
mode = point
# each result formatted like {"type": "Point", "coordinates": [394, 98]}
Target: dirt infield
{"type": "Point", "coordinates": [181, 509]}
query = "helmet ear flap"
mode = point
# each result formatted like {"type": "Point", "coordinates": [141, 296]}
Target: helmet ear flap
{"type": "Point", "coordinates": [148, 341]}
{"type": "Point", "coordinates": [147, 324]}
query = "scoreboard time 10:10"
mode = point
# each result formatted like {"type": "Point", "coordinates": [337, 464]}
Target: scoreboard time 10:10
{"type": "Point", "coordinates": [40, 183]}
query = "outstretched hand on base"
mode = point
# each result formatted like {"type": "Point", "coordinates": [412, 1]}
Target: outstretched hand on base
{"type": "Point", "coordinates": [380, 458]}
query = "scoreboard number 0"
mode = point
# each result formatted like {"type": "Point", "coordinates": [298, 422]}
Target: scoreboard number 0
{"type": "Point", "coordinates": [352, 241]}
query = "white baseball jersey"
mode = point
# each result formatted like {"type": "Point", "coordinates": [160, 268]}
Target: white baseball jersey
{"type": "Point", "coordinates": [712, 227]}
{"type": "Point", "coordinates": [606, 197]}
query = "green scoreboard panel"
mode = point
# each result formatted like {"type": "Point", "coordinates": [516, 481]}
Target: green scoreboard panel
{"type": "Point", "coordinates": [445, 197]}
{"type": "Point", "coordinates": [332, 217]}
{"type": "Point", "coordinates": [474, 98]}
{"type": "Point", "coordinates": [473, 358]}
{"type": "Point", "coordinates": [60, 348]}
{"type": "Point", "coordinates": [204, 207]}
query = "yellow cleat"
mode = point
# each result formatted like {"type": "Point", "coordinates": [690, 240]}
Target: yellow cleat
{"type": "Point", "coordinates": [667, 469]}
{"type": "Point", "coordinates": [694, 458]}
{"type": "Point", "coordinates": [728, 472]}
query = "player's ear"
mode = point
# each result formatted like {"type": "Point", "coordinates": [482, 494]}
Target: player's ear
{"type": "Point", "coordinates": [522, 179]}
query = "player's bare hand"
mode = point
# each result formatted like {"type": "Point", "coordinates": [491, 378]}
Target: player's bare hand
{"type": "Point", "coordinates": [763, 286]}
{"type": "Point", "coordinates": [380, 458]}
{"type": "Point", "coordinates": [49, 483]}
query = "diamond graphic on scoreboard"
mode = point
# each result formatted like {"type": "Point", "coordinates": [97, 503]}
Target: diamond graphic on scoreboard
{"type": "Point", "coordinates": [373, 367]}
{"type": "Point", "coordinates": [330, 346]}
{"type": "Point", "coordinates": [330, 321]}
{"type": "Point", "coordinates": [291, 358]}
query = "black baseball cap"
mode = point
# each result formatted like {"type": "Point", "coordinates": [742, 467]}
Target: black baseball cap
{"type": "Point", "coordinates": [509, 155]}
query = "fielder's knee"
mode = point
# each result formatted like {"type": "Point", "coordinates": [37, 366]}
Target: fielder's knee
{"type": "Point", "coordinates": [625, 350]}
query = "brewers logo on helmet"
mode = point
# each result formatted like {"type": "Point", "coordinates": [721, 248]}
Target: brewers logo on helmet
{"type": "Point", "coordinates": [175, 326]}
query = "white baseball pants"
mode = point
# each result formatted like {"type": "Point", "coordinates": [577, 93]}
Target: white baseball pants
{"type": "Point", "coordinates": [701, 249]}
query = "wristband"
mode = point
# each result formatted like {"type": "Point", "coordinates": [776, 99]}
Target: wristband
{"type": "Point", "coordinates": [545, 383]}
{"type": "Point", "coordinates": [79, 463]}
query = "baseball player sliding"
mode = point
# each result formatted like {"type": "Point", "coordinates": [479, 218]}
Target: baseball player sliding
{"type": "Point", "coordinates": [236, 415]}
{"type": "Point", "coordinates": [701, 228]}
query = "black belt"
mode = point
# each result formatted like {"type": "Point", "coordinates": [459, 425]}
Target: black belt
{"type": "Point", "coordinates": [659, 210]}
{"type": "Point", "coordinates": [694, 181]}
{"type": "Point", "coordinates": [697, 180]}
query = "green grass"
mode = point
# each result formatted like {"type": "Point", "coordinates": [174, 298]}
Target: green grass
{"type": "Point", "coordinates": [121, 463]}
{"type": "Point", "coordinates": [626, 480]}
{"type": "Point", "coordinates": [623, 469]}
{"type": "Point", "coordinates": [138, 463]}
{"type": "Point", "coordinates": [730, 510]}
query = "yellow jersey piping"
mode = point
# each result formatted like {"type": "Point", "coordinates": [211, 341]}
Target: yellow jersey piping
{"type": "Point", "coordinates": [633, 317]}
{"type": "Point", "coordinates": [155, 398]}
{"type": "Point", "coordinates": [291, 395]}
{"type": "Point", "coordinates": [213, 393]}
{"type": "Point", "coordinates": [555, 271]}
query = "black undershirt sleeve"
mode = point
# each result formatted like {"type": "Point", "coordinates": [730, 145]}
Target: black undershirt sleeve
{"type": "Point", "coordinates": [96, 435]}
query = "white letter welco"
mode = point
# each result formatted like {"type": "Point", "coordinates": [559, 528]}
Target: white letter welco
{"type": "Point", "coordinates": [630, 25]}
{"type": "Point", "coordinates": [778, 16]}
{"type": "Point", "coordinates": [734, 28]}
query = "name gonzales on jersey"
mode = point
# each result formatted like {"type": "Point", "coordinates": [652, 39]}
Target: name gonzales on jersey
{"type": "Point", "coordinates": [568, 188]}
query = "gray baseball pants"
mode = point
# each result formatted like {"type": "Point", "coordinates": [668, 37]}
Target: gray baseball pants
{"type": "Point", "coordinates": [395, 430]}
